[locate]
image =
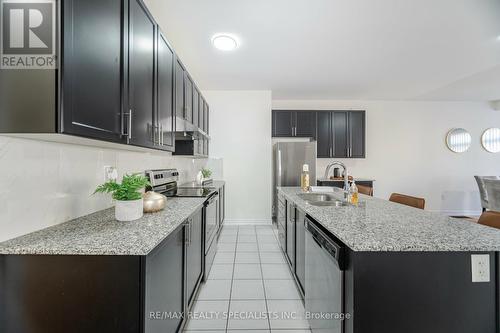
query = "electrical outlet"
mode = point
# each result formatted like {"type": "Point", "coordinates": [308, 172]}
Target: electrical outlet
{"type": "Point", "coordinates": [480, 267]}
{"type": "Point", "coordinates": [110, 173]}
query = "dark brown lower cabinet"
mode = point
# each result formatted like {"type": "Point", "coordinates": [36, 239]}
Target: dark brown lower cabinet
{"type": "Point", "coordinates": [290, 234]}
{"type": "Point", "coordinates": [60, 294]}
{"type": "Point", "coordinates": [164, 278]}
{"type": "Point", "coordinates": [300, 249]}
{"type": "Point", "coordinates": [78, 293]}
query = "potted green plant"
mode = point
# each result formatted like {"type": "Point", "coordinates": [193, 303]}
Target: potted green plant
{"type": "Point", "coordinates": [128, 196]}
{"type": "Point", "coordinates": [206, 173]}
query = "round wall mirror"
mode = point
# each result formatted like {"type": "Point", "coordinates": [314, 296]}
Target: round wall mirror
{"type": "Point", "coordinates": [491, 140]}
{"type": "Point", "coordinates": [458, 140]}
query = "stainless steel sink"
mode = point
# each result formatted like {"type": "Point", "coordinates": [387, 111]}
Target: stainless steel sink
{"type": "Point", "coordinates": [322, 199]}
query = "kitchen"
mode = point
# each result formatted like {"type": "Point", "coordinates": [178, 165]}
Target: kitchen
{"type": "Point", "coordinates": [170, 89]}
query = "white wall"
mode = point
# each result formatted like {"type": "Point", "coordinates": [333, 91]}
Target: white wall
{"type": "Point", "coordinates": [406, 151]}
{"type": "Point", "coordinates": [240, 128]}
{"type": "Point", "coordinates": [45, 183]}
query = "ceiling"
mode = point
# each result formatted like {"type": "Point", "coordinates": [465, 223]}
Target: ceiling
{"type": "Point", "coordinates": [341, 49]}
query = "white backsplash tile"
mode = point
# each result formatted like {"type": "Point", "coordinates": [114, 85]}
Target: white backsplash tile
{"type": "Point", "coordinates": [46, 183]}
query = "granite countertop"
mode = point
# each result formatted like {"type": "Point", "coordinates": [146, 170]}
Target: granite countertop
{"type": "Point", "coordinates": [358, 179]}
{"type": "Point", "coordinates": [101, 234]}
{"type": "Point", "coordinates": [380, 225]}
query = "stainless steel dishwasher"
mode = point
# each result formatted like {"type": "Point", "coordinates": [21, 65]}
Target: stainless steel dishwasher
{"type": "Point", "coordinates": [324, 294]}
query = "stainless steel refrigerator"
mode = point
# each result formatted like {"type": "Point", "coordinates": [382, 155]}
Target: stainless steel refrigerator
{"type": "Point", "coordinates": [288, 159]}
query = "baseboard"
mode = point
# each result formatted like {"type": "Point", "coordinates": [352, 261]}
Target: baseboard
{"type": "Point", "coordinates": [247, 221]}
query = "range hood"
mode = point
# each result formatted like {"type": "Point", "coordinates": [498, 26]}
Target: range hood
{"type": "Point", "coordinates": [185, 130]}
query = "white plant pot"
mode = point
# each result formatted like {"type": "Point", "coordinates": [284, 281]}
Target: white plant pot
{"type": "Point", "coordinates": [129, 210]}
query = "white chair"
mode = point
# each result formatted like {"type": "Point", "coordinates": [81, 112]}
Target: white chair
{"type": "Point", "coordinates": [482, 190]}
{"type": "Point", "coordinates": [493, 193]}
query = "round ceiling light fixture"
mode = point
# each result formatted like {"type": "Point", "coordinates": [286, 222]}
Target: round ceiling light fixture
{"type": "Point", "coordinates": [225, 42]}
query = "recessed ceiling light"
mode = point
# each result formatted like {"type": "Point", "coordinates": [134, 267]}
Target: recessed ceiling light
{"type": "Point", "coordinates": [225, 42]}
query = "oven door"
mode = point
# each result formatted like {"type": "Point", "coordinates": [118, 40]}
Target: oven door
{"type": "Point", "coordinates": [211, 219]}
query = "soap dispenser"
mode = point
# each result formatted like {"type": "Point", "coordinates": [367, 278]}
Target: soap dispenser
{"type": "Point", "coordinates": [304, 178]}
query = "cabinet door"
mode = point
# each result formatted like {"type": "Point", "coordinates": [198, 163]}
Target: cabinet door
{"type": "Point", "coordinates": [141, 71]}
{"type": "Point", "coordinates": [164, 283]}
{"type": "Point", "coordinates": [188, 98]}
{"type": "Point", "coordinates": [196, 107]}
{"type": "Point", "coordinates": [91, 68]}
{"type": "Point", "coordinates": [340, 138]}
{"type": "Point", "coordinates": [282, 123]}
{"type": "Point", "coordinates": [305, 124]}
{"type": "Point", "coordinates": [290, 234]}
{"type": "Point", "coordinates": [357, 134]}
{"type": "Point", "coordinates": [282, 221]}
{"type": "Point", "coordinates": [324, 134]}
{"type": "Point", "coordinates": [300, 249]}
{"type": "Point", "coordinates": [202, 114]}
{"type": "Point", "coordinates": [165, 93]}
{"type": "Point", "coordinates": [206, 118]}
{"type": "Point", "coordinates": [179, 90]}
{"type": "Point", "coordinates": [222, 203]}
{"type": "Point", "coordinates": [194, 254]}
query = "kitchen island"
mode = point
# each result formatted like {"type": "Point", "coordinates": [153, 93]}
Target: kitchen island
{"type": "Point", "coordinates": [401, 269]}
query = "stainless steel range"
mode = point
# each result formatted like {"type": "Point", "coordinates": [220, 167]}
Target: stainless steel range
{"type": "Point", "coordinates": [164, 181]}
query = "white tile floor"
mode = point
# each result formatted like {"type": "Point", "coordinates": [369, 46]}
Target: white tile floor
{"type": "Point", "coordinates": [250, 288]}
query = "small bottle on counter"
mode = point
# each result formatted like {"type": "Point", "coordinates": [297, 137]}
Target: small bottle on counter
{"type": "Point", "coordinates": [304, 178]}
{"type": "Point", "coordinates": [354, 194]}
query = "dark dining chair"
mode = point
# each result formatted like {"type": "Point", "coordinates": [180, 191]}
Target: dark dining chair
{"type": "Point", "coordinates": [408, 200]}
{"type": "Point", "coordinates": [367, 190]}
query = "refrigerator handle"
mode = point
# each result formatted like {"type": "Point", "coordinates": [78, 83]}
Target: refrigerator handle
{"type": "Point", "coordinates": [278, 178]}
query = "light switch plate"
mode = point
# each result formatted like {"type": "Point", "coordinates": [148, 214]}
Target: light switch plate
{"type": "Point", "coordinates": [480, 267]}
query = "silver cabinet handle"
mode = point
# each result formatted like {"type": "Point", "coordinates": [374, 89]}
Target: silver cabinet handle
{"type": "Point", "coordinates": [130, 124]}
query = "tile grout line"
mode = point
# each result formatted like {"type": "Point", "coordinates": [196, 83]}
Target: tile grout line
{"type": "Point", "coordinates": [232, 281]}
{"type": "Point", "coordinates": [263, 284]}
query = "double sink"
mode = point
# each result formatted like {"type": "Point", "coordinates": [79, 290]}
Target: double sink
{"type": "Point", "coordinates": [322, 199]}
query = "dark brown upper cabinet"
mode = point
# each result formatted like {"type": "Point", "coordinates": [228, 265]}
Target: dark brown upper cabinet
{"type": "Point", "coordinates": [119, 81]}
{"type": "Point", "coordinates": [141, 75]}
{"type": "Point", "coordinates": [206, 117]}
{"type": "Point", "coordinates": [357, 133]}
{"type": "Point", "coordinates": [196, 107]}
{"type": "Point", "coordinates": [341, 134]}
{"type": "Point", "coordinates": [188, 98]}
{"type": "Point", "coordinates": [179, 91]}
{"type": "Point", "coordinates": [324, 137]}
{"type": "Point", "coordinates": [92, 77]}
{"type": "Point", "coordinates": [294, 124]}
{"type": "Point", "coordinates": [165, 95]}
